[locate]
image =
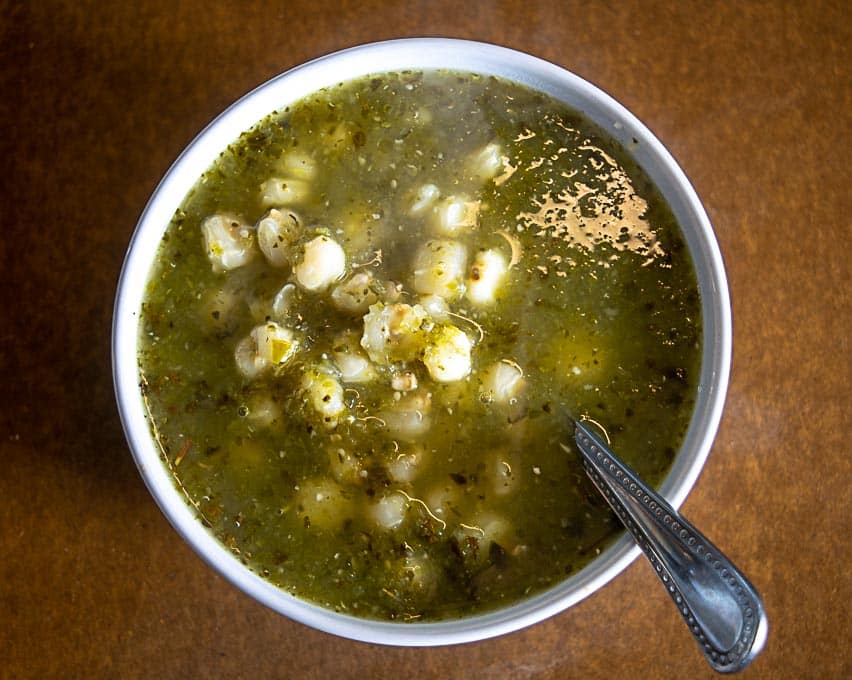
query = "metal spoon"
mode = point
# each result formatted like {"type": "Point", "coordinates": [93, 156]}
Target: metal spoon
{"type": "Point", "coordinates": [721, 608]}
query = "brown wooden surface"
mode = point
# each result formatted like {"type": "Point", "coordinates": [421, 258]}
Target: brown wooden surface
{"type": "Point", "coordinates": [752, 98]}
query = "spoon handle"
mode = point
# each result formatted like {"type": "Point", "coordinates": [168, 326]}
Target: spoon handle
{"type": "Point", "coordinates": [721, 608]}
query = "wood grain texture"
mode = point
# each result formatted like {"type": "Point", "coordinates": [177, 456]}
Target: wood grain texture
{"type": "Point", "coordinates": [752, 98]}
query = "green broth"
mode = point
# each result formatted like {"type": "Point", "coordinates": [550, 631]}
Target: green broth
{"type": "Point", "coordinates": [600, 313]}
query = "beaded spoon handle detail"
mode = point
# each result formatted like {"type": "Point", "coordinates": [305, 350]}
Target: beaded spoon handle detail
{"type": "Point", "coordinates": [722, 609]}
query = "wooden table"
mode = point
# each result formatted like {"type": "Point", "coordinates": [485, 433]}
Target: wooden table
{"type": "Point", "coordinates": [752, 98]}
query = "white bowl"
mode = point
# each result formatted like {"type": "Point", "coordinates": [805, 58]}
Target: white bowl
{"type": "Point", "coordinates": [420, 54]}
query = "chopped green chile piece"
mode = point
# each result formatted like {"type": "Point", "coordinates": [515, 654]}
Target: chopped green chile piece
{"type": "Point", "coordinates": [371, 317]}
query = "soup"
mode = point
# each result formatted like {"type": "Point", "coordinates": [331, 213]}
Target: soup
{"type": "Point", "coordinates": [368, 327]}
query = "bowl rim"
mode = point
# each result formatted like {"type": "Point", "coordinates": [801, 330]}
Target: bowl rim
{"type": "Point", "coordinates": [421, 54]}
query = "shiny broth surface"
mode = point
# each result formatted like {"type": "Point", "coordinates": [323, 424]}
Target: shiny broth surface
{"type": "Point", "coordinates": [368, 324]}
